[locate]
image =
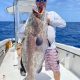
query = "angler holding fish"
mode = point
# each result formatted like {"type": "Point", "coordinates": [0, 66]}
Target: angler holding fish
{"type": "Point", "coordinates": [39, 42]}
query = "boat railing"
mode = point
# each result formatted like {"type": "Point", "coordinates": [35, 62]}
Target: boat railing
{"type": "Point", "coordinates": [69, 57]}
{"type": "Point", "coordinates": [4, 46]}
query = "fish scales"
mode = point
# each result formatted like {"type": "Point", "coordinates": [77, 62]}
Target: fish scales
{"type": "Point", "coordinates": [34, 45]}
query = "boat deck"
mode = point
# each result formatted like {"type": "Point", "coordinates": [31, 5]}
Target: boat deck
{"type": "Point", "coordinates": [10, 72]}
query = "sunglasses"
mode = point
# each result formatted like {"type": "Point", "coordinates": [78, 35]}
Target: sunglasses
{"type": "Point", "coordinates": [41, 0]}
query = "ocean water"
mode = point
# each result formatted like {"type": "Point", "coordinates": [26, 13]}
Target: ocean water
{"type": "Point", "coordinates": [69, 35]}
{"type": "Point", "coordinates": [7, 30]}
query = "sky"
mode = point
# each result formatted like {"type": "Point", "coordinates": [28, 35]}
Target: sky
{"type": "Point", "coordinates": [4, 15]}
{"type": "Point", "coordinates": [67, 9]}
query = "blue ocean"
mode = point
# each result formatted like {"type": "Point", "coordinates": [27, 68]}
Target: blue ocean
{"type": "Point", "coordinates": [69, 35]}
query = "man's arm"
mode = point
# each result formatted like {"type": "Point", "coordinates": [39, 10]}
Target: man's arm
{"type": "Point", "coordinates": [55, 20]}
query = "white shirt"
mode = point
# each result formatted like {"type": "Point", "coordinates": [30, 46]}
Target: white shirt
{"type": "Point", "coordinates": [51, 37]}
{"type": "Point", "coordinates": [55, 21]}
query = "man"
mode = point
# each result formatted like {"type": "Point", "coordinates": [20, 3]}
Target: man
{"type": "Point", "coordinates": [51, 55]}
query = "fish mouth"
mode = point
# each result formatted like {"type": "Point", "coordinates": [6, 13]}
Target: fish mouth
{"type": "Point", "coordinates": [40, 9]}
{"type": "Point", "coordinates": [38, 12]}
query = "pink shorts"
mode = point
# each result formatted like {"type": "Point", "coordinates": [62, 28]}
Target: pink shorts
{"type": "Point", "coordinates": [51, 60]}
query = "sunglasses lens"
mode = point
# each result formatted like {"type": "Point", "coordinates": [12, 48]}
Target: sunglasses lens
{"type": "Point", "coordinates": [40, 0]}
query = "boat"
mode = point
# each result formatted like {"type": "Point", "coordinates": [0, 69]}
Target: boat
{"type": "Point", "coordinates": [9, 70]}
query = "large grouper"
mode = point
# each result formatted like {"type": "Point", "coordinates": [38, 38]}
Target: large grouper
{"type": "Point", "coordinates": [34, 44]}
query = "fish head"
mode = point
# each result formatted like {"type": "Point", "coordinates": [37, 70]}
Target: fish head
{"type": "Point", "coordinates": [41, 4]}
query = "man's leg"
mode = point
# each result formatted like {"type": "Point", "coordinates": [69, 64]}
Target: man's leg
{"type": "Point", "coordinates": [56, 71]}
{"type": "Point", "coordinates": [19, 52]}
{"type": "Point", "coordinates": [22, 69]}
{"type": "Point", "coordinates": [52, 62]}
{"type": "Point", "coordinates": [56, 75]}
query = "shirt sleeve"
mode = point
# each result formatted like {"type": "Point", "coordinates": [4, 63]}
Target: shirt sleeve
{"type": "Point", "coordinates": [56, 20]}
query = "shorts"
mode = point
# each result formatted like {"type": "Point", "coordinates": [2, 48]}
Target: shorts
{"type": "Point", "coordinates": [51, 60]}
